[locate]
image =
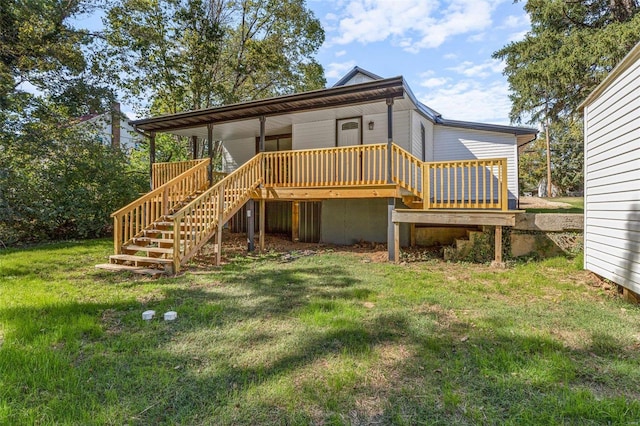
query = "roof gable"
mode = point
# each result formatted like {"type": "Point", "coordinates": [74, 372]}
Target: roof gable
{"type": "Point", "coordinates": [357, 76]}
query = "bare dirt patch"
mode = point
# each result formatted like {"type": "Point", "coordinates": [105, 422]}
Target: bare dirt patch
{"type": "Point", "coordinates": [540, 203]}
{"type": "Point", "coordinates": [235, 244]}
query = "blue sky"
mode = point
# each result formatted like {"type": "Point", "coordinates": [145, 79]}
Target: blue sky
{"type": "Point", "coordinates": [442, 48]}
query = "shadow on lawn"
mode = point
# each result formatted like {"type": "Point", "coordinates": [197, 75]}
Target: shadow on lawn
{"type": "Point", "coordinates": [429, 367]}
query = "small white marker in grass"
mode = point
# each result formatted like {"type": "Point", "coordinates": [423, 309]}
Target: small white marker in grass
{"type": "Point", "coordinates": [170, 316]}
{"type": "Point", "coordinates": [148, 315]}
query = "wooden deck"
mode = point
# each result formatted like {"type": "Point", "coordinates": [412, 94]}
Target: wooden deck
{"type": "Point", "coordinates": [189, 204]}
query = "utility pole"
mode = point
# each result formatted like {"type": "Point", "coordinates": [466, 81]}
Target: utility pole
{"type": "Point", "coordinates": [546, 133]}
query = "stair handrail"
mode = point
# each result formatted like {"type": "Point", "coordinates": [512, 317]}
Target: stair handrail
{"type": "Point", "coordinates": [130, 220]}
{"type": "Point", "coordinates": [195, 223]}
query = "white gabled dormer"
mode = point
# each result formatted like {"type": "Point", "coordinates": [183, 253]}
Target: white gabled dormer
{"type": "Point", "coordinates": [357, 76]}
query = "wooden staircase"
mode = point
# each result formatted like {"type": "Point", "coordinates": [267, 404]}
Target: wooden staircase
{"type": "Point", "coordinates": [162, 230]}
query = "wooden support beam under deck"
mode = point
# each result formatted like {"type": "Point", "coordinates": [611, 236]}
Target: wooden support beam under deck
{"type": "Point", "coordinates": [457, 217]}
{"type": "Point", "coordinates": [283, 193]}
{"type": "Point", "coordinates": [262, 224]}
{"type": "Point", "coordinates": [295, 221]}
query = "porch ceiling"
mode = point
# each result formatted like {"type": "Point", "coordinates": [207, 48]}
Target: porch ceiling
{"type": "Point", "coordinates": [281, 112]}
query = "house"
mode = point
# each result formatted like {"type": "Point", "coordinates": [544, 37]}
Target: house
{"type": "Point", "coordinates": [112, 128]}
{"type": "Point", "coordinates": [362, 160]}
{"type": "Point", "coordinates": [612, 175]}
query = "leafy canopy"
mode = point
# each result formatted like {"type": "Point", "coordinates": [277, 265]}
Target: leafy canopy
{"type": "Point", "coordinates": [570, 48]}
{"type": "Point", "coordinates": [192, 54]}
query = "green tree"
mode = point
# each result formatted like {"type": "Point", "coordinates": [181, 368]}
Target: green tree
{"type": "Point", "coordinates": [177, 55]}
{"type": "Point", "coordinates": [56, 179]}
{"type": "Point", "coordinates": [571, 47]}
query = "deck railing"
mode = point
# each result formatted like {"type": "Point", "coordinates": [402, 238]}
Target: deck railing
{"type": "Point", "coordinates": [196, 222]}
{"type": "Point", "coordinates": [162, 173]}
{"type": "Point", "coordinates": [129, 221]}
{"type": "Point", "coordinates": [346, 166]}
{"type": "Point", "coordinates": [468, 184]}
{"type": "Point", "coordinates": [406, 171]}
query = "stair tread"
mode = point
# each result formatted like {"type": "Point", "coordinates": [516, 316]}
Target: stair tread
{"type": "Point", "coordinates": [115, 267]}
{"type": "Point", "coordinates": [134, 258]}
{"type": "Point", "coordinates": [153, 240]}
{"type": "Point", "coordinates": [148, 249]}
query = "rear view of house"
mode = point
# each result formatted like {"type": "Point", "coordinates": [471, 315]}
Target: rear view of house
{"type": "Point", "coordinates": [358, 161]}
{"type": "Point", "coordinates": [612, 175]}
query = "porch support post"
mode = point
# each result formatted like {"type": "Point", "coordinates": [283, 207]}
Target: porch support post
{"type": "Point", "coordinates": [295, 221]}
{"type": "Point", "coordinates": [498, 263]}
{"type": "Point", "coordinates": [251, 225]}
{"type": "Point", "coordinates": [263, 120]}
{"type": "Point", "coordinates": [210, 152]}
{"type": "Point", "coordinates": [152, 156]}
{"type": "Point", "coordinates": [194, 147]}
{"type": "Point", "coordinates": [391, 230]}
{"type": "Point", "coordinates": [262, 222]}
{"type": "Point", "coordinates": [389, 138]}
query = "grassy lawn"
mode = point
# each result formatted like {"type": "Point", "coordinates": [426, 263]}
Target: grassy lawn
{"type": "Point", "coordinates": [327, 338]}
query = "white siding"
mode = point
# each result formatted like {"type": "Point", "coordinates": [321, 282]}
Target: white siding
{"type": "Point", "coordinates": [322, 134]}
{"type": "Point", "coordinates": [401, 128]}
{"type": "Point", "coordinates": [237, 152]}
{"type": "Point", "coordinates": [317, 134]}
{"type": "Point", "coordinates": [452, 143]}
{"type": "Point", "coordinates": [416, 137]}
{"type": "Point", "coordinates": [612, 180]}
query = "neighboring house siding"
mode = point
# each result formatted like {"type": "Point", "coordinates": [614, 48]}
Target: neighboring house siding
{"type": "Point", "coordinates": [612, 181]}
{"type": "Point", "coordinates": [462, 144]}
{"type": "Point", "coordinates": [237, 152]}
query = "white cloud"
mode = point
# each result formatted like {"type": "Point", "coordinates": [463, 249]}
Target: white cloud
{"type": "Point", "coordinates": [411, 24]}
{"type": "Point", "coordinates": [450, 56]}
{"type": "Point", "coordinates": [470, 100]}
{"type": "Point", "coordinates": [338, 69]}
{"type": "Point", "coordinates": [434, 82]}
{"type": "Point", "coordinates": [477, 37]}
{"type": "Point", "coordinates": [341, 53]}
{"type": "Point", "coordinates": [483, 70]}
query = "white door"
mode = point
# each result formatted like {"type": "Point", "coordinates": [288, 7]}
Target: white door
{"type": "Point", "coordinates": [349, 131]}
{"type": "Point", "coordinates": [348, 164]}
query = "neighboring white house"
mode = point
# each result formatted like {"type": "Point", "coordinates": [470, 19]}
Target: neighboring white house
{"type": "Point", "coordinates": [115, 133]}
{"type": "Point", "coordinates": [612, 175]}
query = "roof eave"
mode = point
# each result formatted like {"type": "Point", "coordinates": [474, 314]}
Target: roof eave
{"type": "Point", "coordinates": [517, 131]}
{"type": "Point", "coordinates": [316, 99]}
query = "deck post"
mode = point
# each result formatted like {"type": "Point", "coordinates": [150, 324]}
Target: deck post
{"type": "Point", "coordinates": [152, 155]}
{"type": "Point", "coordinates": [391, 230]}
{"type": "Point", "coordinates": [389, 139]}
{"type": "Point", "coordinates": [295, 221]}
{"type": "Point", "coordinates": [251, 225]}
{"type": "Point", "coordinates": [220, 224]}
{"type": "Point", "coordinates": [210, 152]}
{"type": "Point", "coordinates": [194, 147]}
{"type": "Point", "coordinates": [498, 248]}
{"type": "Point", "coordinates": [263, 120]}
{"type": "Point", "coordinates": [262, 222]}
